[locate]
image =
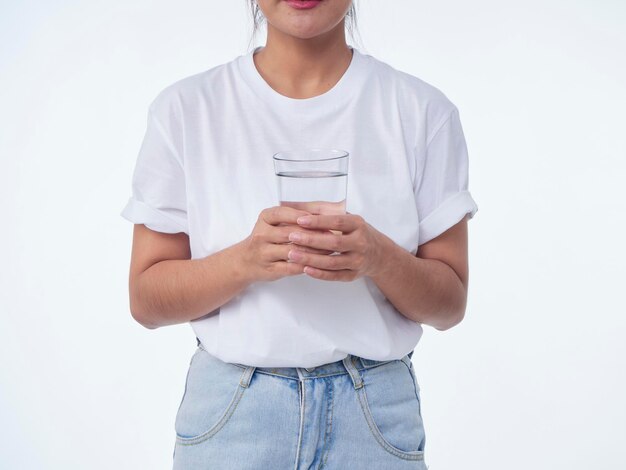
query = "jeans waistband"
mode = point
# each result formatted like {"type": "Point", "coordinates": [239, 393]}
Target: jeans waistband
{"type": "Point", "coordinates": [342, 366]}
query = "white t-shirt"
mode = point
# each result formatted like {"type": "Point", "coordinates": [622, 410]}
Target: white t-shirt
{"type": "Point", "coordinates": [205, 168]}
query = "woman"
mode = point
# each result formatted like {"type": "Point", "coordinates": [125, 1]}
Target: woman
{"type": "Point", "coordinates": [303, 359]}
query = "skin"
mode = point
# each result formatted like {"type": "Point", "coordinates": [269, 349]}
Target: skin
{"type": "Point", "coordinates": [306, 52]}
{"type": "Point", "coordinates": [305, 55]}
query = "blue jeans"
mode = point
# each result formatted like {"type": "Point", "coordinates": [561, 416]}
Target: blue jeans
{"type": "Point", "coordinates": [354, 413]}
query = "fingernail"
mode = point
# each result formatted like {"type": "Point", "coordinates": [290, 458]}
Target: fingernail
{"type": "Point", "coordinates": [294, 255]}
{"type": "Point", "coordinates": [295, 237]}
{"type": "Point", "coordinates": [304, 220]}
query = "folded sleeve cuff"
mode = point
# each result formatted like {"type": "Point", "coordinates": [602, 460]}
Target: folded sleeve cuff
{"type": "Point", "coordinates": [139, 212]}
{"type": "Point", "coordinates": [451, 211]}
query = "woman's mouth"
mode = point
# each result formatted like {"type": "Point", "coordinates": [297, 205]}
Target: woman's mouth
{"type": "Point", "coordinates": [303, 4]}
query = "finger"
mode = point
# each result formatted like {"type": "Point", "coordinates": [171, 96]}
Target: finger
{"type": "Point", "coordinates": [281, 234]}
{"type": "Point", "coordinates": [323, 241]}
{"type": "Point", "coordinates": [307, 249]}
{"type": "Point", "coordinates": [277, 214]}
{"type": "Point", "coordinates": [328, 262]}
{"type": "Point", "coordinates": [342, 222]}
{"type": "Point", "coordinates": [287, 268]}
{"type": "Point", "coordinates": [317, 251]}
{"type": "Point", "coordinates": [344, 275]}
{"type": "Point", "coordinates": [278, 252]}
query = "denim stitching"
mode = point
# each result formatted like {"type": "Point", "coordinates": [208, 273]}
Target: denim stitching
{"type": "Point", "coordinates": [407, 455]}
{"type": "Point", "coordinates": [241, 366]}
{"type": "Point", "coordinates": [301, 427]}
{"type": "Point", "coordinates": [412, 379]}
{"type": "Point", "coordinates": [221, 422]}
{"type": "Point", "coordinates": [329, 427]}
{"type": "Point", "coordinates": [369, 418]}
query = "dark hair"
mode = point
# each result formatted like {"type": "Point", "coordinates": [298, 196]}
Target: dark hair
{"type": "Point", "coordinates": [258, 19]}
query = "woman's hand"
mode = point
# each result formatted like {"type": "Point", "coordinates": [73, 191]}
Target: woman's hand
{"type": "Point", "coordinates": [360, 246]}
{"type": "Point", "coordinates": [264, 251]}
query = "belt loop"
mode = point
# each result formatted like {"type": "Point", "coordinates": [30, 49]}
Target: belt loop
{"type": "Point", "coordinates": [348, 363]}
{"type": "Point", "coordinates": [246, 377]}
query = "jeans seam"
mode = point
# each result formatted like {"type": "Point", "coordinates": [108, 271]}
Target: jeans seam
{"type": "Point", "coordinates": [242, 366]}
{"type": "Point", "coordinates": [406, 455]}
{"type": "Point", "coordinates": [301, 426]}
{"type": "Point", "coordinates": [230, 410]}
{"type": "Point", "coordinates": [412, 380]}
{"type": "Point", "coordinates": [329, 428]}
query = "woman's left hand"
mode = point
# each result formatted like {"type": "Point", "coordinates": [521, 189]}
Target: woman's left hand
{"type": "Point", "coordinates": [360, 247]}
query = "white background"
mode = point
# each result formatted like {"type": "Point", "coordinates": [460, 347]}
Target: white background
{"type": "Point", "coordinates": [534, 377]}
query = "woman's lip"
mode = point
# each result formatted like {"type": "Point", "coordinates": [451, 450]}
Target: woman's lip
{"type": "Point", "coordinates": [303, 4]}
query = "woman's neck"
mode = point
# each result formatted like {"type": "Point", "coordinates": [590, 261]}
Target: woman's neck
{"type": "Point", "coordinates": [303, 68]}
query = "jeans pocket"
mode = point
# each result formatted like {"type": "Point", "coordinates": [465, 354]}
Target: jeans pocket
{"type": "Point", "coordinates": [391, 406]}
{"type": "Point", "coordinates": [212, 393]}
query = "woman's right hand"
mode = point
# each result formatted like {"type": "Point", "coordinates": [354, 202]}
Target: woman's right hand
{"type": "Point", "coordinates": [265, 251]}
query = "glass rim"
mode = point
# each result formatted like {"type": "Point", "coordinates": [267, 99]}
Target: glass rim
{"type": "Point", "coordinates": [343, 154]}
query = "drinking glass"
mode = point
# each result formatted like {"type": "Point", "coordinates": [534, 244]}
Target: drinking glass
{"type": "Point", "coordinates": [314, 180]}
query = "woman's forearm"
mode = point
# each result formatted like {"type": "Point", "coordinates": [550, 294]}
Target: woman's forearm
{"type": "Point", "coordinates": [424, 290]}
{"type": "Point", "coordinates": [177, 291]}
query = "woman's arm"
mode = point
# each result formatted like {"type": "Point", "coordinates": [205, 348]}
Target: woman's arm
{"type": "Point", "coordinates": [167, 287]}
{"type": "Point", "coordinates": [431, 287]}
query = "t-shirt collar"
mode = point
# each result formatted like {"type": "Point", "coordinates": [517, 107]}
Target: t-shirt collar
{"type": "Point", "coordinates": [344, 89]}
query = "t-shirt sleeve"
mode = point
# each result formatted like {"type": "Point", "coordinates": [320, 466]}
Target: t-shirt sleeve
{"type": "Point", "coordinates": [441, 192]}
{"type": "Point", "coordinates": [158, 184]}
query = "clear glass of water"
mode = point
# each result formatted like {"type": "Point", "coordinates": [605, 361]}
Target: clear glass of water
{"type": "Point", "coordinates": [314, 180]}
